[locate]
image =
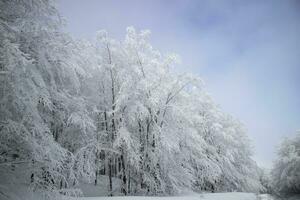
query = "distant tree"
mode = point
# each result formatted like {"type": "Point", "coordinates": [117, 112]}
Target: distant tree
{"type": "Point", "coordinates": [286, 170]}
{"type": "Point", "coordinates": [266, 181]}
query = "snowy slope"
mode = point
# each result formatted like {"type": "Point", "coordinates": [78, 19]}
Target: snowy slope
{"type": "Point", "coordinates": [210, 196]}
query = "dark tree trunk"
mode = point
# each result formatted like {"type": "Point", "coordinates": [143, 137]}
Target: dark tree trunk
{"type": "Point", "coordinates": [129, 182]}
{"type": "Point", "coordinates": [110, 176]}
{"type": "Point", "coordinates": [124, 179]}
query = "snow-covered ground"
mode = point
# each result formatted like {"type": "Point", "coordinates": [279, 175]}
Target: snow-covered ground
{"type": "Point", "coordinates": [207, 196]}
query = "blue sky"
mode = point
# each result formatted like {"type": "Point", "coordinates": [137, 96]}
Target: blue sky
{"type": "Point", "coordinates": [248, 53]}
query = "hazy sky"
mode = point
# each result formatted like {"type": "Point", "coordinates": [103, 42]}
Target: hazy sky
{"type": "Point", "coordinates": [248, 53]}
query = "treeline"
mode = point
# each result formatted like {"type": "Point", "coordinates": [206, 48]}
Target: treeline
{"type": "Point", "coordinates": [72, 110]}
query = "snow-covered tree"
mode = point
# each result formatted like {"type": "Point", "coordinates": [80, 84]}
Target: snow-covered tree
{"type": "Point", "coordinates": [37, 86]}
{"type": "Point", "coordinates": [286, 170]}
{"type": "Point", "coordinates": [72, 110]}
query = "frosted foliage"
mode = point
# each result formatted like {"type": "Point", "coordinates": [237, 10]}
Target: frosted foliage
{"type": "Point", "coordinates": [286, 170]}
{"type": "Point", "coordinates": [72, 111]}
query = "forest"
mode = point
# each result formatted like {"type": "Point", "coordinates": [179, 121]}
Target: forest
{"type": "Point", "coordinates": [76, 112]}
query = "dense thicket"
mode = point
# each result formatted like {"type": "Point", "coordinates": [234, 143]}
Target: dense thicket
{"type": "Point", "coordinates": [286, 170]}
{"type": "Point", "coordinates": [72, 110]}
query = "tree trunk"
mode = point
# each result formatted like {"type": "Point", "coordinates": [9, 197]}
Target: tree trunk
{"type": "Point", "coordinates": [129, 181]}
{"type": "Point", "coordinates": [124, 179]}
{"type": "Point", "coordinates": [110, 176]}
{"type": "Point", "coordinates": [32, 174]}
{"type": "Point", "coordinates": [96, 176]}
